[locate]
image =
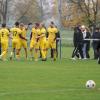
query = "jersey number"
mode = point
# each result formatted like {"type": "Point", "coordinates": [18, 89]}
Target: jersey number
{"type": "Point", "coordinates": [15, 33]}
{"type": "Point", "coordinates": [2, 34]}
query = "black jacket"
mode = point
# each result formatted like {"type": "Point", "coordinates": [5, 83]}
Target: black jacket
{"type": "Point", "coordinates": [78, 37]}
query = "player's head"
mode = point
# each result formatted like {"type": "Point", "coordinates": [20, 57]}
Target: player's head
{"type": "Point", "coordinates": [17, 24]}
{"type": "Point", "coordinates": [52, 24]}
{"type": "Point", "coordinates": [83, 28]}
{"type": "Point", "coordinates": [41, 25]}
{"type": "Point", "coordinates": [3, 25]}
{"type": "Point", "coordinates": [21, 25]}
{"type": "Point", "coordinates": [97, 29]}
{"type": "Point", "coordinates": [37, 25]}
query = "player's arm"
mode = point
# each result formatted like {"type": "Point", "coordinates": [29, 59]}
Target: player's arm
{"type": "Point", "coordinates": [10, 34]}
{"type": "Point", "coordinates": [40, 36]}
{"type": "Point", "coordinates": [22, 37]}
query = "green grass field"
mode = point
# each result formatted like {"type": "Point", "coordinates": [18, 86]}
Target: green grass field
{"type": "Point", "coordinates": [60, 80]}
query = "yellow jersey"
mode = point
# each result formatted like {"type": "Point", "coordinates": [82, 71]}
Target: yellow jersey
{"type": "Point", "coordinates": [4, 34]}
{"type": "Point", "coordinates": [43, 32]}
{"type": "Point", "coordinates": [34, 35]}
{"type": "Point", "coordinates": [24, 31]}
{"type": "Point", "coordinates": [52, 33]}
{"type": "Point", "coordinates": [38, 32]}
{"type": "Point", "coordinates": [16, 32]}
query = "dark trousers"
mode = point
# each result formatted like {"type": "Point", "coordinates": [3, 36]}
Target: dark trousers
{"type": "Point", "coordinates": [75, 52]}
{"type": "Point", "coordinates": [78, 49]}
{"type": "Point", "coordinates": [0, 48]}
{"type": "Point", "coordinates": [87, 50]}
{"type": "Point", "coordinates": [95, 50]}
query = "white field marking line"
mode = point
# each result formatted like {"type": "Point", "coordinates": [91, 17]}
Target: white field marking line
{"type": "Point", "coordinates": [41, 91]}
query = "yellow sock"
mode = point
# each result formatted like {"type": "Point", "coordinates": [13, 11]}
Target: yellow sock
{"type": "Point", "coordinates": [35, 55]}
{"type": "Point", "coordinates": [43, 54]}
{"type": "Point", "coordinates": [18, 57]}
{"type": "Point", "coordinates": [3, 55]}
{"type": "Point", "coordinates": [55, 54]}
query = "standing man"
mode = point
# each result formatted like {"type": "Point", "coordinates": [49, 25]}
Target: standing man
{"type": "Point", "coordinates": [98, 50]}
{"type": "Point", "coordinates": [86, 43]}
{"type": "Point", "coordinates": [57, 40]}
{"type": "Point", "coordinates": [96, 35]}
{"type": "Point", "coordinates": [24, 41]}
{"type": "Point", "coordinates": [75, 42]}
{"type": "Point", "coordinates": [52, 34]}
{"type": "Point", "coordinates": [34, 43]}
{"type": "Point", "coordinates": [16, 40]}
{"type": "Point", "coordinates": [78, 43]}
{"type": "Point", "coordinates": [4, 36]}
{"type": "Point", "coordinates": [43, 42]}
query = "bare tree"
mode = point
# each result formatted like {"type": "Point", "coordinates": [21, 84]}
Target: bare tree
{"type": "Point", "coordinates": [90, 10]}
{"type": "Point", "coordinates": [3, 10]}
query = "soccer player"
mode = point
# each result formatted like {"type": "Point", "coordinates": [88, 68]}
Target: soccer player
{"type": "Point", "coordinates": [43, 42]}
{"type": "Point", "coordinates": [23, 41]}
{"type": "Point", "coordinates": [52, 32]}
{"type": "Point", "coordinates": [4, 36]}
{"type": "Point", "coordinates": [34, 43]}
{"type": "Point", "coordinates": [16, 40]}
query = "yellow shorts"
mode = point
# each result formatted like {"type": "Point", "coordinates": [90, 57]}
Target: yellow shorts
{"type": "Point", "coordinates": [4, 45]}
{"type": "Point", "coordinates": [23, 43]}
{"type": "Point", "coordinates": [34, 44]}
{"type": "Point", "coordinates": [43, 44]}
{"type": "Point", "coordinates": [52, 44]}
{"type": "Point", "coordinates": [16, 44]}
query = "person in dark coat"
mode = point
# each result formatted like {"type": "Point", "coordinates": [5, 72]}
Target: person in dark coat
{"type": "Point", "coordinates": [96, 35]}
{"type": "Point", "coordinates": [78, 43]}
{"type": "Point", "coordinates": [98, 51]}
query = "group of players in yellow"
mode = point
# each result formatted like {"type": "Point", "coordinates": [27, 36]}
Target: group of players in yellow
{"type": "Point", "coordinates": [38, 41]}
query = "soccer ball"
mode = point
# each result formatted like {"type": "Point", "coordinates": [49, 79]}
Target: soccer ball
{"type": "Point", "coordinates": [90, 84]}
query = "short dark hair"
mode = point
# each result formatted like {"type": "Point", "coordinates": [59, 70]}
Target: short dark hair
{"type": "Point", "coordinates": [16, 23]}
{"type": "Point", "coordinates": [3, 25]}
{"type": "Point", "coordinates": [97, 28]}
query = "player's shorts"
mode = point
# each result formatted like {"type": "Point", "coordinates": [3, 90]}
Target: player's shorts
{"type": "Point", "coordinates": [23, 43]}
{"type": "Point", "coordinates": [16, 44]}
{"type": "Point", "coordinates": [34, 44]}
{"type": "Point", "coordinates": [43, 44]}
{"type": "Point", "coordinates": [51, 44]}
{"type": "Point", "coordinates": [4, 45]}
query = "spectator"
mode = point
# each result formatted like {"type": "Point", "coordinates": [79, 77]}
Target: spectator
{"type": "Point", "coordinates": [78, 43]}
{"type": "Point", "coordinates": [86, 43]}
{"type": "Point", "coordinates": [75, 42]}
{"type": "Point", "coordinates": [96, 35]}
{"type": "Point", "coordinates": [98, 51]}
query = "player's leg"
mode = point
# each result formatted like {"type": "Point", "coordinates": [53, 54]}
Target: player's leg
{"type": "Point", "coordinates": [4, 46]}
{"type": "Point", "coordinates": [31, 49]}
{"type": "Point", "coordinates": [54, 50]}
{"type": "Point", "coordinates": [24, 44]}
{"type": "Point", "coordinates": [13, 51]}
{"type": "Point", "coordinates": [0, 48]}
{"type": "Point", "coordinates": [18, 48]}
{"type": "Point", "coordinates": [43, 50]}
{"type": "Point", "coordinates": [36, 51]}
